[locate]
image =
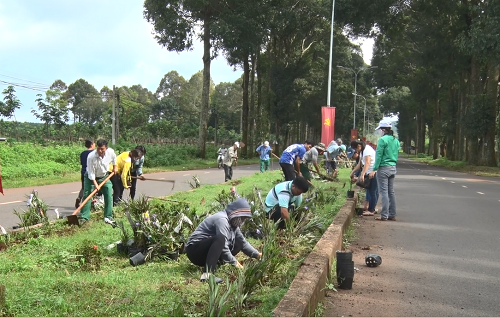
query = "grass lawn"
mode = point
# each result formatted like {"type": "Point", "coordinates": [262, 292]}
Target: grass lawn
{"type": "Point", "coordinates": [42, 278]}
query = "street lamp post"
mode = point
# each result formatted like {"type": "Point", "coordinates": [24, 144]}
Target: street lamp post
{"type": "Point", "coordinates": [328, 99]}
{"type": "Point", "coordinates": [364, 116]}
{"type": "Point", "coordinates": [355, 86]}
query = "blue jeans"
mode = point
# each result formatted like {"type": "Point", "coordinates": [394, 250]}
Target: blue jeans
{"type": "Point", "coordinates": [385, 177]}
{"type": "Point", "coordinates": [372, 194]}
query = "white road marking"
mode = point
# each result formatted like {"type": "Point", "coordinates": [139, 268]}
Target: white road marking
{"type": "Point", "coordinates": [187, 174]}
{"type": "Point", "coordinates": [464, 186]}
{"type": "Point", "coordinates": [452, 181]}
{"type": "Point", "coordinates": [75, 192]}
{"type": "Point", "coordinates": [436, 175]}
{"type": "Point", "coordinates": [162, 178]}
{"type": "Point", "coordinates": [10, 202]}
{"type": "Point", "coordinates": [443, 178]}
{"type": "Point", "coordinates": [206, 172]}
{"type": "Point", "coordinates": [480, 193]}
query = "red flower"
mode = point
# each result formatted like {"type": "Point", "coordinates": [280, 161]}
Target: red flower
{"type": "Point", "coordinates": [95, 247]}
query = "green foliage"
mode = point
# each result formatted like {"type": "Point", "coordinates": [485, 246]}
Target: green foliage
{"type": "Point", "coordinates": [36, 213]}
{"type": "Point", "coordinates": [88, 255]}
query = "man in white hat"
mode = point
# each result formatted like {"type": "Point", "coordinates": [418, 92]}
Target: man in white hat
{"type": "Point", "coordinates": [231, 158]}
{"type": "Point", "coordinates": [311, 157]}
{"type": "Point", "coordinates": [264, 151]}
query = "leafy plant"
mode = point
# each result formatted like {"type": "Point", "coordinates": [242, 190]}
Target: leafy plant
{"type": "Point", "coordinates": [36, 213]}
{"type": "Point", "coordinates": [218, 301]}
{"type": "Point", "coordinates": [89, 255]}
{"type": "Point", "coordinates": [196, 182]}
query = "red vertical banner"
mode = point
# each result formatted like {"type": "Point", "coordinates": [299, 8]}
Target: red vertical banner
{"type": "Point", "coordinates": [327, 124]}
{"type": "Point", "coordinates": [354, 134]}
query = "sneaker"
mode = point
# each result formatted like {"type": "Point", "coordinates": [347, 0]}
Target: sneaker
{"type": "Point", "coordinates": [206, 276]}
{"type": "Point", "coordinates": [110, 221]}
{"type": "Point", "coordinates": [77, 203]}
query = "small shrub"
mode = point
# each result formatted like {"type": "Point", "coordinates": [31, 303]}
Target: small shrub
{"type": "Point", "coordinates": [88, 255]}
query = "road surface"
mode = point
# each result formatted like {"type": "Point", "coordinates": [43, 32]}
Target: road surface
{"type": "Point", "coordinates": [62, 196]}
{"type": "Point", "coordinates": [440, 258]}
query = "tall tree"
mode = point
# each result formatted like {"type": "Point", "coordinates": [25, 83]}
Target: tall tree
{"type": "Point", "coordinates": [10, 103]}
{"type": "Point", "coordinates": [174, 24]}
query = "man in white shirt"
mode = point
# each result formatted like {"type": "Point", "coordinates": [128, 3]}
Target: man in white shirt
{"type": "Point", "coordinates": [98, 163]}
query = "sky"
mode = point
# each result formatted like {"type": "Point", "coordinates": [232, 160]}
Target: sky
{"type": "Point", "coordinates": [104, 42]}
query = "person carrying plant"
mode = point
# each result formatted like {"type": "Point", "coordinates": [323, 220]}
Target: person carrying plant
{"type": "Point", "coordinates": [90, 145]}
{"type": "Point", "coordinates": [123, 178]}
{"type": "Point", "coordinates": [218, 239]}
{"type": "Point", "coordinates": [136, 171]}
{"type": "Point", "coordinates": [283, 198]}
{"type": "Point", "coordinates": [291, 157]}
{"type": "Point", "coordinates": [98, 164]}
{"type": "Point", "coordinates": [311, 157]}
{"type": "Point", "coordinates": [264, 151]}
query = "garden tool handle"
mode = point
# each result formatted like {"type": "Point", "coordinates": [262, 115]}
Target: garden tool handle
{"type": "Point", "coordinates": [92, 194]}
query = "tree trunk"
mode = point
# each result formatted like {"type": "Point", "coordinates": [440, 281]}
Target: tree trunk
{"type": "Point", "coordinates": [252, 118]}
{"type": "Point", "coordinates": [244, 114]}
{"type": "Point", "coordinates": [491, 103]}
{"type": "Point", "coordinates": [205, 95]}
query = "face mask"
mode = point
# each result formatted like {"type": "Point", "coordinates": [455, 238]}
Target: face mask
{"type": "Point", "coordinates": [380, 132]}
{"type": "Point", "coordinates": [237, 222]}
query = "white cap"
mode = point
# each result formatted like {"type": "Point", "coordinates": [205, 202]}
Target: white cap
{"type": "Point", "coordinates": [237, 144]}
{"type": "Point", "coordinates": [384, 123]}
{"type": "Point", "coordinates": [266, 143]}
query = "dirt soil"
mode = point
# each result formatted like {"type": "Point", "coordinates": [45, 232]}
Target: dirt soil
{"type": "Point", "coordinates": [375, 292]}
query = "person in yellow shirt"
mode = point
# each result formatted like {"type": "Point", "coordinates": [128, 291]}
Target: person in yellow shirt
{"type": "Point", "coordinates": [123, 178]}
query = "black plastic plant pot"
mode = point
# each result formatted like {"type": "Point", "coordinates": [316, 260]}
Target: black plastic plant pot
{"type": "Point", "coordinates": [345, 275]}
{"type": "Point", "coordinates": [122, 248]}
{"type": "Point", "coordinates": [137, 259]}
{"type": "Point", "coordinates": [359, 211]}
{"type": "Point", "coordinates": [172, 255]}
{"type": "Point", "coordinates": [132, 250]}
{"type": "Point", "coordinates": [344, 257]}
{"type": "Point", "coordinates": [350, 194]}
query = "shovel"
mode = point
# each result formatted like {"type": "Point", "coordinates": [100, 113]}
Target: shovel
{"type": "Point", "coordinates": [162, 180]}
{"type": "Point", "coordinates": [73, 219]}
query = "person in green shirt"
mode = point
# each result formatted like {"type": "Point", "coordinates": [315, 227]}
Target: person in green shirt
{"type": "Point", "coordinates": [384, 168]}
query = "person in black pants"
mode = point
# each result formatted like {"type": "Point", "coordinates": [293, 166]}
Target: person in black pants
{"type": "Point", "coordinates": [218, 239]}
{"type": "Point", "coordinates": [90, 145]}
{"type": "Point", "coordinates": [136, 171]}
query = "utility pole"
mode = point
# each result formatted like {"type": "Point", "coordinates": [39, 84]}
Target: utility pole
{"type": "Point", "coordinates": [113, 116]}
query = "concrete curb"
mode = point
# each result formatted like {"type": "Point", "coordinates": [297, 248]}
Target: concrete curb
{"type": "Point", "coordinates": [308, 287]}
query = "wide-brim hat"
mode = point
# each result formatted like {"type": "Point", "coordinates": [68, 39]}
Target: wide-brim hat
{"type": "Point", "coordinates": [384, 123]}
{"type": "Point", "coordinates": [321, 146]}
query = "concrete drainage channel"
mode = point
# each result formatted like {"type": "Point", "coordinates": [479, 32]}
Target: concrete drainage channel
{"type": "Point", "coordinates": [308, 287]}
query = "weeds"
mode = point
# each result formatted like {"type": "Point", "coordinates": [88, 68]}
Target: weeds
{"type": "Point", "coordinates": [37, 211]}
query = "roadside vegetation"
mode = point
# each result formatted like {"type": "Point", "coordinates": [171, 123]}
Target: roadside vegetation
{"type": "Point", "coordinates": [460, 166]}
{"type": "Point", "coordinates": [26, 164]}
{"type": "Point", "coordinates": [58, 270]}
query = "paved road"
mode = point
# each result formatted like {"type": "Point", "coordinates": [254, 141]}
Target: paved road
{"type": "Point", "coordinates": [62, 196]}
{"type": "Point", "coordinates": [440, 258]}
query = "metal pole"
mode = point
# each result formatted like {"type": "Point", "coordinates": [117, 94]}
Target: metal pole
{"type": "Point", "coordinates": [113, 119]}
{"type": "Point", "coordinates": [355, 94]}
{"type": "Point", "coordinates": [328, 99]}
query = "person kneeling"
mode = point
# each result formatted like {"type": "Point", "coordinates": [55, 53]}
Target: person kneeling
{"type": "Point", "coordinates": [283, 197]}
{"type": "Point", "coordinates": [218, 238]}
